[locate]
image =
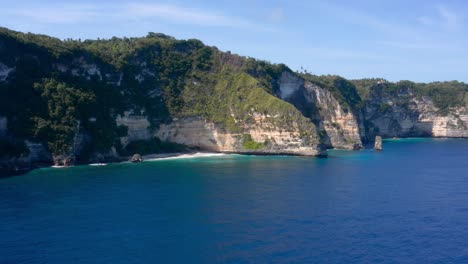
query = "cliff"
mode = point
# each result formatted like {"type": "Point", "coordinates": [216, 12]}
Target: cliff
{"type": "Point", "coordinates": [107, 99]}
{"type": "Point", "coordinates": [339, 126]}
{"type": "Point", "coordinates": [65, 102]}
{"type": "Point", "coordinates": [407, 109]}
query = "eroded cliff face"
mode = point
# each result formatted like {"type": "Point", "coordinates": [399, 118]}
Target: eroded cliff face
{"type": "Point", "coordinates": [340, 129]}
{"type": "Point", "coordinates": [404, 114]}
{"type": "Point", "coordinates": [268, 138]}
{"type": "Point", "coordinates": [138, 127]}
{"type": "Point", "coordinates": [453, 125]}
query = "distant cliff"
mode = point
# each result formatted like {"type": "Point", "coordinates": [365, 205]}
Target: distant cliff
{"type": "Point", "coordinates": [407, 109]}
{"type": "Point", "coordinates": [66, 102]}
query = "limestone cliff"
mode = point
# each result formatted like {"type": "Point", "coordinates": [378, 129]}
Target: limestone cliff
{"type": "Point", "coordinates": [404, 113]}
{"type": "Point", "coordinates": [101, 100]}
{"type": "Point", "coordinates": [266, 138]}
{"type": "Point", "coordinates": [340, 128]}
{"type": "Point", "coordinates": [137, 127]}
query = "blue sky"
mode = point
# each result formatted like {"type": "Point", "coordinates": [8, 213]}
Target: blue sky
{"type": "Point", "coordinates": [420, 40]}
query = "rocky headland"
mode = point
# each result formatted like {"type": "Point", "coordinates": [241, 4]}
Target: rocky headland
{"type": "Point", "coordinates": [71, 102]}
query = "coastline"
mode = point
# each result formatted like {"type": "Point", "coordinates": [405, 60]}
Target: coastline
{"type": "Point", "coordinates": [16, 170]}
{"type": "Point", "coordinates": [153, 157]}
{"type": "Point", "coordinates": [13, 171]}
{"type": "Point", "coordinates": [180, 155]}
{"type": "Point", "coordinates": [8, 171]}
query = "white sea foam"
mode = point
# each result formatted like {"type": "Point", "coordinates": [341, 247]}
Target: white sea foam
{"type": "Point", "coordinates": [181, 156]}
{"type": "Point", "coordinates": [59, 167]}
{"type": "Point", "coordinates": [98, 164]}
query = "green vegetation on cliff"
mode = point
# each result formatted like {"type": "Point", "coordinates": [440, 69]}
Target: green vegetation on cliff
{"type": "Point", "coordinates": [343, 90]}
{"type": "Point", "coordinates": [251, 144]}
{"type": "Point", "coordinates": [58, 123]}
{"type": "Point", "coordinates": [444, 95]}
{"type": "Point", "coordinates": [58, 91]}
{"type": "Point", "coordinates": [76, 88]}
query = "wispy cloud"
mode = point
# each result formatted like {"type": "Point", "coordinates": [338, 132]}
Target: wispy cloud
{"type": "Point", "coordinates": [56, 14]}
{"type": "Point", "coordinates": [183, 15]}
{"type": "Point", "coordinates": [277, 14]}
{"type": "Point", "coordinates": [424, 46]}
{"type": "Point", "coordinates": [425, 35]}
{"type": "Point", "coordinates": [59, 14]}
{"type": "Point", "coordinates": [450, 19]}
{"type": "Point", "coordinates": [364, 19]}
{"type": "Point", "coordinates": [444, 18]}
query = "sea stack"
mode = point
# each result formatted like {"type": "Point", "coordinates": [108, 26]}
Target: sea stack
{"type": "Point", "coordinates": [378, 143]}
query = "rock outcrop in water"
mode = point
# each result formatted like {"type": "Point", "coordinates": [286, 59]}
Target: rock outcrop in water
{"type": "Point", "coordinates": [158, 94]}
{"type": "Point", "coordinates": [136, 158]}
{"type": "Point", "coordinates": [378, 145]}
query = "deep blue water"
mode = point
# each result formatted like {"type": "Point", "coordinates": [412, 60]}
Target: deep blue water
{"type": "Point", "coordinates": [407, 204]}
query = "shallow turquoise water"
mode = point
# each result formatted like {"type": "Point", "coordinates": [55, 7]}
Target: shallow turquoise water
{"type": "Point", "coordinates": [407, 204]}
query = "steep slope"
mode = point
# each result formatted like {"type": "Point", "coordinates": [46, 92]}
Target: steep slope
{"type": "Point", "coordinates": [325, 104]}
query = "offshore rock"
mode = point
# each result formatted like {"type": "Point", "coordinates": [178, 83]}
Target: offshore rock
{"type": "Point", "coordinates": [136, 158]}
{"type": "Point", "coordinates": [378, 143]}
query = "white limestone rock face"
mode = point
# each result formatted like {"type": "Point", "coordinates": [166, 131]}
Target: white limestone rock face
{"type": "Point", "coordinates": [145, 74]}
{"type": "Point", "coordinates": [342, 127]}
{"type": "Point", "coordinates": [407, 115]}
{"type": "Point", "coordinates": [5, 71]}
{"type": "Point", "coordinates": [81, 67]}
{"type": "Point", "coordinates": [453, 125]}
{"type": "Point", "coordinates": [400, 115]}
{"type": "Point", "coordinates": [284, 140]}
{"type": "Point", "coordinates": [193, 132]}
{"type": "Point", "coordinates": [200, 133]}
{"type": "Point", "coordinates": [138, 127]}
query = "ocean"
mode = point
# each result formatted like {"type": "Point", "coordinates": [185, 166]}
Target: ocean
{"type": "Point", "coordinates": [407, 204]}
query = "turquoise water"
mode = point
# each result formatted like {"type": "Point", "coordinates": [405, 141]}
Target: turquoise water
{"type": "Point", "coordinates": [407, 204]}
